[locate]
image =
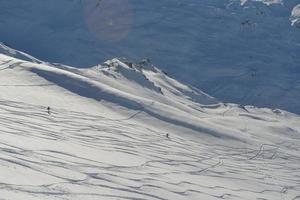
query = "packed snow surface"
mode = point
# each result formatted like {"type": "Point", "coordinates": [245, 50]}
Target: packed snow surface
{"type": "Point", "coordinates": [105, 137]}
{"type": "Point", "coordinates": [245, 52]}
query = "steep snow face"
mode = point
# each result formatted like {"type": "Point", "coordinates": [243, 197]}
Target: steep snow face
{"type": "Point", "coordinates": [105, 137]}
{"type": "Point", "coordinates": [244, 54]}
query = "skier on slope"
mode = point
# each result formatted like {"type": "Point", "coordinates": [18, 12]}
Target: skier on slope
{"type": "Point", "coordinates": [48, 110]}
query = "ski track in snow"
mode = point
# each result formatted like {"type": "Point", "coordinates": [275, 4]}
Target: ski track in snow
{"type": "Point", "coordinates": [156, 168]}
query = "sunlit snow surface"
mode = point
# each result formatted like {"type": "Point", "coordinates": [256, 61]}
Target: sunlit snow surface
{"type": "Point", "coordinates": [106, 137]}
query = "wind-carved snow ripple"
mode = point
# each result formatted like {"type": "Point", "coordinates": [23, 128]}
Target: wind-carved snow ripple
{"type": "Point", "coordinates": [73, 155]}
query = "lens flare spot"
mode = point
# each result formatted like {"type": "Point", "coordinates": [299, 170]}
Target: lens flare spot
{"type": "Point", "coordinates": [108, 20]}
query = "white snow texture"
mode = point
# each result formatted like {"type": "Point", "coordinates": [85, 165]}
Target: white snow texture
{"type": "Point", "coordinates": [104, 136]}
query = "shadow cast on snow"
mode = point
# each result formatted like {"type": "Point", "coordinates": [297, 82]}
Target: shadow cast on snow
{"type": "Point", "coordinates": [88, 90]}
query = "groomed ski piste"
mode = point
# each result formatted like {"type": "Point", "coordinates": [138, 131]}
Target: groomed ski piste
{"type": "Point", "coordinates": [105, 137]}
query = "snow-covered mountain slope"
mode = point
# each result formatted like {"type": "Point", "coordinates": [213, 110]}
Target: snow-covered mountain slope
{"type": "Point", "coordinates": [295, 16]}
{"type": "Point", "coordinates": [236, 50]}
{"type": "Point", "coordinates": [105, 137]}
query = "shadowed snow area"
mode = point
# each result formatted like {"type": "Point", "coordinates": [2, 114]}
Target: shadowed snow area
{"type": "Point", "coordinates": [105, 137]}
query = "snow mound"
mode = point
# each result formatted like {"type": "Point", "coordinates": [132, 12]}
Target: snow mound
{"type": "Point", "coordinates": [144, 91]}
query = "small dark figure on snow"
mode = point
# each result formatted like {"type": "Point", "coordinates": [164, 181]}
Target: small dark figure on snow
{"type": "Point", "coordinates": [167, 136]}
{"type": "Point", "coordinates": [48, 110]}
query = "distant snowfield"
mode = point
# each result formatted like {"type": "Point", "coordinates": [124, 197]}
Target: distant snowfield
{"type": "Point", "coordinates": [106, 137]}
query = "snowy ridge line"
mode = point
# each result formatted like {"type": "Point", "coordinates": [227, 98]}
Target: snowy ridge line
{"type": "Point", "coordinates": [82, 86]}
{"type": "Point", "coordinates": [79, 83]}
{"type": "Point", "coordinates": [17, 54]}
